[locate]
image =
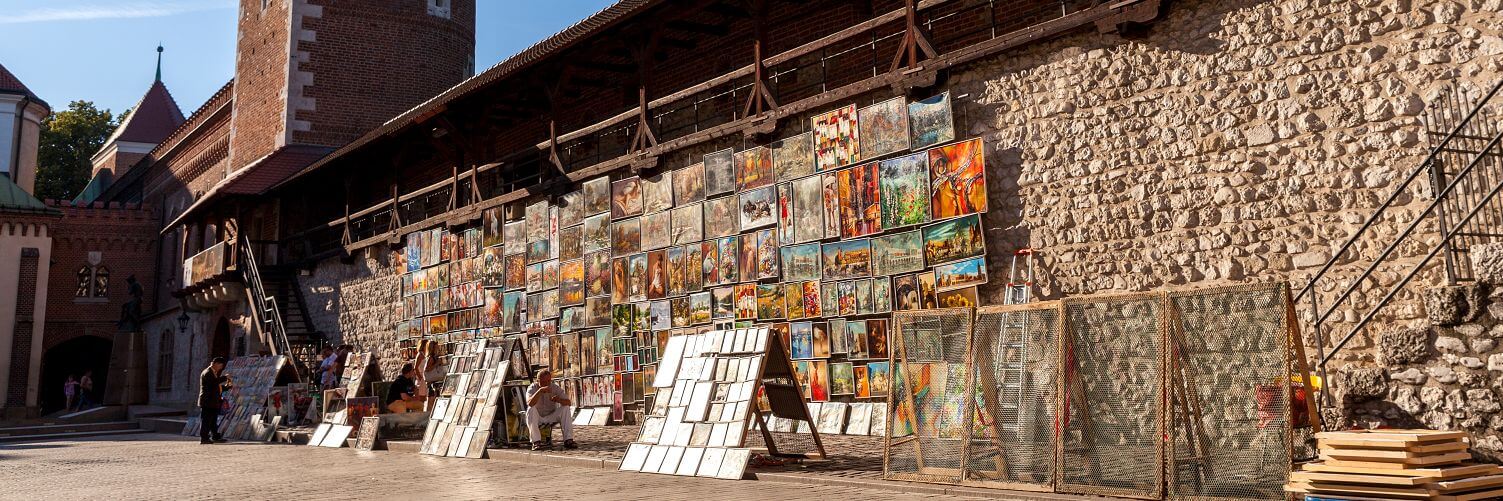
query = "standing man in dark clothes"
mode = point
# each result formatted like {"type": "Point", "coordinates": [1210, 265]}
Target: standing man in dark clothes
{"type": "Point", "coordinates": [210, 385]}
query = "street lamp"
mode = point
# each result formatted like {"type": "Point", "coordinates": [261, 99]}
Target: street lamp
{"type": "Point", "coordinates": [182, 322]}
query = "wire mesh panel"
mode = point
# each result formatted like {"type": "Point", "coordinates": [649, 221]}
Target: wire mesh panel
{"type": "Point", "coordinates": [1229, 393]}
{"type": "Point", "coordinates": [1015, 354]}
{"type": "Point", "coordinates": [1113, 368]}
{"type": "Point", "coordinates": [930, 406]}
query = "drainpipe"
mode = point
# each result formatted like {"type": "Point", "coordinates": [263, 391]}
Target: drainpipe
{"type": "Point", "coordinates": [15, 160]}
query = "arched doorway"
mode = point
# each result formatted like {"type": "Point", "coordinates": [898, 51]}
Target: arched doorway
{"type": "Point", "coordinates": [73, 357]}
{"type": "Point", "coordinates": [219, 345]}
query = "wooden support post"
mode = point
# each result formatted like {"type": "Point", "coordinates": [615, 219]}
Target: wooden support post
{"type": "Point", "coordinates": [396, 208]}
{"type": "Point", "coordinates": [914, 40]}
{"type": "Point", "coordinates": [347, 238]}
{"type": "Point", "coordinates": [761, 99]}
{"type": "Point", "coordinates": [644, 138]}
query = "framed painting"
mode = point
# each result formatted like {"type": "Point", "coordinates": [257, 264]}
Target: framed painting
{"type": "Point", "coordinates": [657, 192]}
{"type": "Point", "coordinates": [660, 315]}
{"type": "Point", "coordinates": [723, 303]}
{"type": "Point", "coordinates": [620, 270]}
{"type": "Point", "coordinates": [492, 223]}
{"type": "Point", "coordinates": [636, 278]}
{"type": "Point", "coordinates": [514, 237]}
{"type": "Point", "coordinates": [492, 267]}
{"type": "Point", "coordinates": [570, 243]}
{"type": "Point", "coordinates": [746, 301]}
{"type": "Point", "coordinates": [801, 340]}
{"type": "Point", "coordinates": [676, 271]}
{"type": "Point", "coordinates": [847, 298]}
{"type": "Point", "coordinates": [800, 262]}
{"type": "Point", "coordinates": [515, 270]}
{"type": "Point", "coordinates": [855, 334]}
{"type": "Point", "coordinates": [571, 210]}
{"type": "Point", "coordinates": [754, 170]}
{"type": "Point", "coordinates": [571, 282]}
{"type": "Point", "coordinates": [829, 298]}
{"type": "Point", "coordinates": [689, 184]}
{"type": "Point", "coordinates": [657, 230]}
{"type": "Point", "coordinates": [626, 198]}
{"type": "Point", "coordinates": [694, 278]}
{"type": "Point", "coordinates": [927, 294]}
{"type": "Point", "coordinates": [958, 298]}
{"type": "Point", "coordinates": [770, 302]}
{"type": "Point", "coordinates": [819, 380]}
{"type": "Point", "coordinates": [957, 179]}
{"type": "Point", "coordinates": [720, 174]}
{"type": "Point", "coordinates": [793, 157]}
{"type": "Point", "coordinates": [846, 259]}
{"type": "Point", "coordinates": [747, 257]}
{"type": "Point", "coordinates": [830, 194]}
{"type": "Point", "coordinates": [897, 253]}
{"type": "Point", "coordinates": [793, 298]}
{"type": "Point", "coordinates": [842, 380]}
{"type": "Point", "coordinates": [808, 209]}
{"type": "Point", "coordinates": [954, 240]}
{"type": "Point", "coordinates": [700, 308]}
{"type": "Point", "coordinates": [678, 309]}
{"type": "Point", "coordinates": [813, 307]}
{"type": "Point", "coordinates": [960, 274]}
{"type": "Point", "coordinates": [836, 138]}
{"type": "Point", "coordinates": [626, 236]}
{"type": "Point", "coordinates": [688, 224]}
{"type": "Point", "coordinates": [785, 212]}
{"type": "Point", "coordinates": [860, 204]}
{"type": "Point", "coordinates": [879, 378]}
{"type": "Point", "coordinates": [861, 381]}
{"type": "Point", "coordinates": [595, 235]}
{"type": "Point", "coordinates": [721, 217]}
{"type": "Point", "coordinates": [728, 249]}
{"type": "Point", "coordinates": [657, 275]}
{"type": "Point", "coordinates": [550, 274]}
{"type": "Point", "coordinates": [883, 127]}
{"type": "Point", "coordinates": [882, 295]}
{"type": "Point", "coordinates": [490, 315]}
{"type": "Point", "coordinates": [597, 195]}
{"type": "Point", "coordinates": [767, 254]}
{"type": "Point", "coordinates": [757, 208]}
{"type": "Point", "coordinates": [876, 338]}
{"type": "Point", "coordinates": [932, 121]}
{"type": "Point", "coordinates": [904, 185]}
{"type": "Point", "coordinates": [598, 312]}
{"type": "Point", "coordinates": [710, 263]}
{"type": "Point", "coordinates": [864, 297]}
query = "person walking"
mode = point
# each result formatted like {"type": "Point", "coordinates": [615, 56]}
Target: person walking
{"type": "Point", "coordinates": [70, 394]}
{"type": "Point", "coordinates": [86, 390]}
{"type": "Point", "coordinates": [211, 385]}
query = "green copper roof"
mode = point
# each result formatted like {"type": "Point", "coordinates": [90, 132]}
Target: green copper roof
{"type": "Point", "coordinates": [13, 199]}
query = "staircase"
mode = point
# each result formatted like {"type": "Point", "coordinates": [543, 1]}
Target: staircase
{"type": "Point", "coordinates": [281, 311]}
{"type": "Point", "coordinates": [1462, 202]}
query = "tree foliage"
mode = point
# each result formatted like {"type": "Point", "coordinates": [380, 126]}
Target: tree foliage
{"type": "Point", "coordinates": [69, 138]}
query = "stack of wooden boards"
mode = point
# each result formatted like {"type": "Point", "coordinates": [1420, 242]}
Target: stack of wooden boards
{"type": "Point", "coordinates": [1396, 464]}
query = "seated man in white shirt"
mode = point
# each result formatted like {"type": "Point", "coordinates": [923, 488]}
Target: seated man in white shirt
{"type": "Point", "coordinates": [546, 404]}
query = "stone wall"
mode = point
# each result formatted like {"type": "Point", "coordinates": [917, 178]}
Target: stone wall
{"type": "Point", "coordinates": [1442, 374]}
{"type": "Point", "coordinates": [358, 303]}
{"type": "Point", "coordinates": [1237, 140]}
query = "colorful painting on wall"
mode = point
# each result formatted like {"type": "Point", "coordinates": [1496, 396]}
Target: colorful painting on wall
{"type": "Point", "coordinates": [596, 235]}
{"type": "Point", "coordinates": [830, 191]}
{"type": "Point", "coordinates": [836, 139]}
{"type": "Point", "coordinates": [905, 190]}
{"type": "Point", "coordinates": [959, 274]}
{"type": "Point", "coordinates": [597, 195]}
{"type": "Point", "coordinates": [897, 253]}
{"type": "Point", "coordinates": [571, 282]}
{"type": "Point", "coordinates": [846, 259]}
{"type": "Point", "coordinates": [626, 236]}
{"type": "Point", "coordinates": [758, 208]}
{"type": "Point", "coordinates": [957, 178]}
{"type": "Point", "coordinates": [932, 121]}
{"type": "Point", "coordinates": [842, 381]}
{"type": "Point", "coordinates": [720, 174]}
{"type": "Point", "coordinates": [689, 184]}
{"type": "Point", "coordinates": [767, 254]}
{"type": "Point", "coordinates": [754, 170]}
{"type": "Point", "coordinates": [626, 198]}
{"type": "Point", "coordinates": [860, 204]}
{"type": "Point", "coordinates": [597, 267]}
{"type": "Point", "coordinates": [884, 127]}
{"type": "Point", "coordinates": [953, 240]}
{"type": "Point", "coordinates": [800, 262]}
{"type": "Point", "coordinates": [570, 243]}
{"type": "Point", "coordinates": [492, 223]}
{"type": "Point", "coordinates": [746, 301]}
{"type": "Point", "coordinates": [793, 157]}
{"type": "Point", "coordinates": [808, 209]}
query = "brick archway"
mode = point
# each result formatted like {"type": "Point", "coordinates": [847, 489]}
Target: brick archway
{"type": "Point", "coordinates": [73, 357]}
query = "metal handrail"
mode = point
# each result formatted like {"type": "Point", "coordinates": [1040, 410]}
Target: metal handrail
{"type": "Point", "coordinates": [264, 307]}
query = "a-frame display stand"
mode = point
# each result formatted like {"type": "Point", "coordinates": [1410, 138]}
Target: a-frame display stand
{"type": "Point", "coordinates": [710, 387]}
{"type": "Point", "coordinates": [510, 428]}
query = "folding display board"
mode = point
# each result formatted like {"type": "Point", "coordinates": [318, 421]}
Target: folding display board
{"type": "Point", "coordinates": [461, 422]}
{"type": "Point", "coordinates": [1080, 395]}
{"type": "Point", "coordinates": [707, 395]}
{"type": "Point", "coordinates": [251, 382]}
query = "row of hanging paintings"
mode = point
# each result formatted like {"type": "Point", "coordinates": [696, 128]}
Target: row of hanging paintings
{"type": "Point", "coordinates": [819, 236]}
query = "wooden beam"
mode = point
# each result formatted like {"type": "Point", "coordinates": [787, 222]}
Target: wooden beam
{"type": "Point", "coordinates": [697, 28]}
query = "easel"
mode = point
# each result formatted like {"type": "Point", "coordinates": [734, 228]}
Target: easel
{"type": "Point", "coordinates": [785, 398]}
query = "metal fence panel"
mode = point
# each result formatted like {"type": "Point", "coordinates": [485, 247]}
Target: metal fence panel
{"type": "Point", "coordinates": [1229, 393]}
{"type": "Point", "coordinates": [931, 403]}
{"type": "Point", "coordinates": [1112, 439]}
{"type": "Point", "coordinates": [1015, 354]}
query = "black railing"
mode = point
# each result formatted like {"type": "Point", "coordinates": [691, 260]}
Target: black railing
{"type": "Point", "coordinates": [1467, 144]}
{"type": "Point", "coordinates": [1466, 204]}
{"type": "Point", "coordinates": [264, 309]}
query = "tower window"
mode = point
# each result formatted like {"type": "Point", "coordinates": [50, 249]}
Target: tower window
{"type": "Point", "coordinates": [438, 8]}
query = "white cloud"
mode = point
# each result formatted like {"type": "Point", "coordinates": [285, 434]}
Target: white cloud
{"type": "Point", "coordinates": [122, 10]}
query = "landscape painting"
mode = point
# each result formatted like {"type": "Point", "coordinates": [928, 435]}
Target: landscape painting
{"type": "Point", "coordinates": [596, 235]}
{"type": "Point", "coordinates": [905, 190]}
{"type": "Point", "coordinates": [953, 240]}
{"type": "Point", "coordinates": [721, 217]}
{"type": "Point", "coordinates": [932, 121]}
{"type": "Point", "coordinates": [689, 184]}
{"type": "Point", "coordinates": [757, 208]}
{"type": "Point", "coordinates": [793, 158]}
{"type": "Point", "coordinates": [755, 169]}
{"type": "Point", "coordinates": [800, 262]}
{"type": "Point", "coordinates": [883, 127]}
{"type": "Point", "coordinates": [571, 282]}
{"type": "Point", "coordinates": [657, 230]}
{"type": "Point", "coordinates": [836, 139]}
{"type": "Point", "coordinates": [688, 224]}
{"type": "Point", "coordinates": [959, 274]}
{"type": "Point", "coordinates": [626, 237]}
{"type": "Point", "coordinates": [846, 259]}
{"type": "Point", "coordinates": [597, 195]}
{"type": "Point", "coordinates": [957, 179]}
{"type": "Point", "coordinates": [770, 304]}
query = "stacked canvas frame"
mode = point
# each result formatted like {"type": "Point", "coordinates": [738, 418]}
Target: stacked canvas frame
{"type": "Point", "coordinates": [462, 419]}
{"type": "Point", "coordinates": [252, 379]}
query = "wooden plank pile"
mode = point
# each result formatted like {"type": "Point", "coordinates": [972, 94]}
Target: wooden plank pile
{"type": "Point", "coordinates": [1396, 464]}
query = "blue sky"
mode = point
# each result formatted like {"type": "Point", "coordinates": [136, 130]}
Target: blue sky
{"type": "Point", "coordinates": [105, 50]}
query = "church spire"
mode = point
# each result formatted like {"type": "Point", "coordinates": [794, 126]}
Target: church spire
{"type": "Point", "coordinates": [159, 62]}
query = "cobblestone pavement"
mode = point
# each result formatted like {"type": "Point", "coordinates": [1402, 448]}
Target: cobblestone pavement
{"type": "Point", "coordinates": [154, 466]}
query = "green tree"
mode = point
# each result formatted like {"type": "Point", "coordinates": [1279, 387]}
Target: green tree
{"type": "Point", "coordinates": [68, 139]}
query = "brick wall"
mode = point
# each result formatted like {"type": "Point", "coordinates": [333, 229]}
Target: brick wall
{"type": "Point", "coordinates": [20, 348]}
{"type": "Point", "coordinates": [261, 64]}
{"type": "Point", "coordinates": [125, 236]}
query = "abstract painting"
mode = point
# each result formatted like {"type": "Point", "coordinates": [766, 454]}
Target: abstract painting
{"type": "Point", "coordinates": [755, 169]}
{"type": "Point", "coordinates": [932, 121]}
{"type": "Point", "coordinates": [793, 158]}
{"type": "Point", "coordinates": [883, 127]}
{"type": "Point", "coordinates": [957, 179]}
{"type": "Point", "coordinates": [689, 184]}
{"type": "Point", "coordinates": [626, 198]}
{"type": "Point", "coordinates": [757, 208]}
{"type": "Point", "coordinates": [846, 259]}
{"type": "Point", "coordinates": [905, 190]}
{"type": "Point", "coordinates": [720, 174]}
{"type": "Point", "coordinates": [953, 240]}
{"type": "Point", "coordinates": [897, 253]}
{"type": "Point", "coordinates": [836, 139]}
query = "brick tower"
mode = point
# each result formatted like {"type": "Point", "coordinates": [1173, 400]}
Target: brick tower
{"type": "Point", "coordinates": [315, 74]}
